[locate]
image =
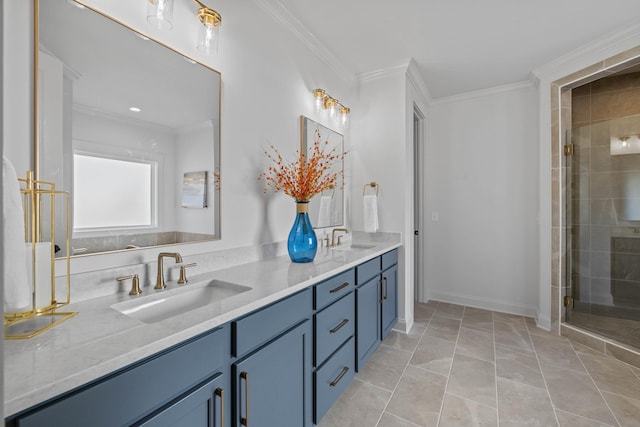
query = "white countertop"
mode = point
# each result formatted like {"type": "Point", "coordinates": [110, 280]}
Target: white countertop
{"type": "Point", "coordinates": [100, 340]}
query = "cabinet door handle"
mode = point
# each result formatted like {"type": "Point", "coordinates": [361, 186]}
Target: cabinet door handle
{"type": "Point", "coordinates": [386, 288]}
{"type": "Point", "coordinates": [339, 378]}
{"type": "Point", "coordinates": [220, 393]}
{"type": "Point", "coordinates": [245, 420]}
{"type": "Point", "coordinates": [339, 288]}
{"type": "Point", "coordinates": [337, 328]}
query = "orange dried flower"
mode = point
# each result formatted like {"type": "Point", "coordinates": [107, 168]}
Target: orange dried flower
{"type": "Point", "coordinates": [310, 174]}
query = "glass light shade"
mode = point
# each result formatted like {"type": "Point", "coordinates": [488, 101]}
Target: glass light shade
{"type": "Point", "coordinates": [319, 94]}
{"type": "Point", "coordinates": [332, 107]}
{"type": "Point", "coordinates": [209, 31]}
{"type": "Point", "coordinates": [160, 13]}
{"type": "Point", "coordinates": [344, 116]}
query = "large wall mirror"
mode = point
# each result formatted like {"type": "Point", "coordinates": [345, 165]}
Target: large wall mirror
{"type": "Point", "coordinates": [121, 121]}
{"type": "Point", "coordinates": [326, 209]}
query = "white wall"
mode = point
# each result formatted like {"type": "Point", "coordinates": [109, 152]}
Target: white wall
{"type": "Point", "coordinates": [194, 153]}
{"type": "Point", "coordinates": [382, 151]}
{"type": "Point", "coordinates": [483, 184]}
{"type": "Point", "coordinates": [267, 79]}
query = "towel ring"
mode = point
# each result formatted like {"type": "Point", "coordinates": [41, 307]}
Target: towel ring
{"type": "Point", "coordinates": [371, 184]}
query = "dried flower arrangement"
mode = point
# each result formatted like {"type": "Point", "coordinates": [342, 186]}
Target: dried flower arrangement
{"type": "Point", "coordinates": [311, 173]}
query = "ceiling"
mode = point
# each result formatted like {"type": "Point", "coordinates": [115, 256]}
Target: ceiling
{"type": "Point", "coordinates": [459, 46]}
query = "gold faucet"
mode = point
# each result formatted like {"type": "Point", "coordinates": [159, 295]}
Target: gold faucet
{"type": "Point", "coordinates": [333, 236]}
{"type": "Point", "coordinates": [160, 280]}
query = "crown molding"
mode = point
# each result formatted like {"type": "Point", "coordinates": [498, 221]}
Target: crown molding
{"type": "Point", "coordinates": [485, 92]}
{"type": "Point", "coordinates": [414, 76]}
{"type": "Point", "coordinates": [382, 73]}
{"type": "Point", "coordinates": [589, 54]}
{"type": "Point", "coordinates": [279, 13]}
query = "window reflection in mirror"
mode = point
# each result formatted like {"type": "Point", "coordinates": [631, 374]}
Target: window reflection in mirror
{"type": "Point", "coordinates": [96, 178]}
{"type": "Point", "coordinates": [106, 91]}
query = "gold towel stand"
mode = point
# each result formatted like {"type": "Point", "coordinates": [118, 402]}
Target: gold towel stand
{"type": "Point", "coordinates": [371, 184]}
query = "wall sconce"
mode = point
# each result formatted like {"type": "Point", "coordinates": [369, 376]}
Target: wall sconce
{"type": "Point", "coordinates": [160, 13]}
{"type": "Point", "coordinates": [208, 33]}
{"type": "Point", "coordinates": [625, 144]}
{"type": "Point", "coordinates": [336, 110]}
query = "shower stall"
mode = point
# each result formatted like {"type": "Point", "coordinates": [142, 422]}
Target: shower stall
{"type": "Point", "coordinates": [603, 208]}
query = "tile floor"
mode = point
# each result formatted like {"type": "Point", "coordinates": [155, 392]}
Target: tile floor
{"type": "Point", "coordinates": [462, 366]}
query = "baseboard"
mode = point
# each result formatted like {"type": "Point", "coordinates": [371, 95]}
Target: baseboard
{"type": "Point", "coordinates": [543, 322]}
{"type": "Point", "coordinates": [484, 303]}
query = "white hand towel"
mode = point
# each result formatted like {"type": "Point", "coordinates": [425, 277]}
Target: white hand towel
{"type": "Point", "coordinates": [371, 213]}
{"type": "Point", "coordinates": [17, 289]}
{"type": "Point", "coordinates": [324, 214]}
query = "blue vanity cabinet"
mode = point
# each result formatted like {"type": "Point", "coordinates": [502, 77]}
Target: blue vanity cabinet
{"type": "Point", "coordinates": [334, 342]}
{"type": "Point", "coordinates": [203, 406]}
{"type": "Point", "coordinates": [376, 303]}
{"type": "Point", "coordinates": [186, 384]}
{"type": "Point", "coordinates": [272, 380]}
{"type": "Point", "coordinates": [389, 300]}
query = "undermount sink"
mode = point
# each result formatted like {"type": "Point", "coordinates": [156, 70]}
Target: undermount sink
{"type": "Point", "coordinates": [169, 303]}
{"type": "Point", "coordinates": [353, 247]}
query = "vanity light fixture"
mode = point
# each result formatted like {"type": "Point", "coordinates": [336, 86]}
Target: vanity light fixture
{"type": "Point", "coordinates": [625, 144]}
{"type": "Point", "coordinates": [209, 31]}
{"type": "Point", "coordinates": [160, 13]}
{"type": "Point", "coordinates": [336, 110]}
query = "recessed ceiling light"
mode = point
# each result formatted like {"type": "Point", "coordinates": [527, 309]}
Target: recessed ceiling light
{"type": "Point", "coordinates": [189, 60]}
{"type": "Point", "coordinates": [145, 38]}
{"type": "Point", "coordinates": [134, 109]}
{"type": "Point", "coordinates": [73, 3]}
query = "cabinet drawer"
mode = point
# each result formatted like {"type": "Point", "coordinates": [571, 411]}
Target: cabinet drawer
{"type": "Point", "coordinates": [332, 379]}
{"type": "Point", "coordinates": [333, 326]}
{"type": "Point", "coordinates": [334, 288]}
{"type": "Point", "coordinates": [389, 259]}
{"type": "Point", "coordinates": [260, 326]}
{"type": "Point", "coordinates": [368, 270]}
{"type": "Point", "coordinates": [140, 389]}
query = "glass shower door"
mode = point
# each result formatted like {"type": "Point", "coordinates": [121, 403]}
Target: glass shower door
{"type": "Point", "coordinates": [603, 227]}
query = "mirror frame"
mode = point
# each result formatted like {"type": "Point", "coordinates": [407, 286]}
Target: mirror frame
{"type": "Point", "coordinates": [37, 137]}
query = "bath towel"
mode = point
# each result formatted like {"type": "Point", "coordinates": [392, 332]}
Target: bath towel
{"type": "Point", "coordinates": [17, 289]}
{"type": "Point", "coordinates": [324, 214]}
{"type": "Point", "coordinates": [370, 213]}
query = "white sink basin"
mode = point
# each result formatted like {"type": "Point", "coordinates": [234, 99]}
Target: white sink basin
{"type": "Point", "coordinates": [169, 303]}
{"type": "Point", "coordinates": [353, 247]}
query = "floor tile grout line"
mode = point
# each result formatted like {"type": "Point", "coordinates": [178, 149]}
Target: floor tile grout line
{"type": "Point", "coordinates": [400, 418]}
{"type": "Point", "coordinates": [596, 386]}
{"type": "Point", "coordinates": [446, 386]}
{"type": "Point", "coordinates": [544, 379]}
{"type": "Point", "coordinates": [405, 370]}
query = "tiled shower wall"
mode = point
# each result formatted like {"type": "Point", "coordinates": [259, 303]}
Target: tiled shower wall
{"type": "Point", "coordinates": [560, 124]}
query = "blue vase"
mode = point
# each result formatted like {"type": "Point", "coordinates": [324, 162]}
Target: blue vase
{"type": "Point", "coordinates": [302, 243]}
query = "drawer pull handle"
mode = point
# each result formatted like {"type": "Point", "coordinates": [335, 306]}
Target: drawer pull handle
{"type": "Point", "coordinates": [339, 378]}
{"type": "Point", "coordinates": [220, 394]}
{"type": "Point", "coordinates": [386, 288]}
{"type": "Point", "coordinates": [337, 328]}
{"type": "Point", "coordinates": [339, 288]}
{"type": "Point", "coordinates": [245, 420]}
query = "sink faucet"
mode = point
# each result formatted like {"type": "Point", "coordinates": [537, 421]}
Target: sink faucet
{"type": "Point", "coordinates": [333, 236]}
{"type": "Point", "coordinates": [160, 280]}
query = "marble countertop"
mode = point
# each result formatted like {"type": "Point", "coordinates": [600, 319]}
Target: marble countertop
{"type": "Point", "coordinates": [100, 340]}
